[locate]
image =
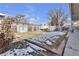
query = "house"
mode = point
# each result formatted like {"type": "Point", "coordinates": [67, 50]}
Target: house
{"type": "Point", "coordinates": [33, 27]}
{"type": "Point", "coordinates": [44, 27]}
{"type": "Point", "coordinates": [26, 27]}
{"type": "Point", "coordinates": [52, 28]}
{"type": "Point", "coordinates": [22, 27]}
{"type": "Point", "coordinates": [2, 15]}
{"type": "Point", "coordinates": [1, 18]}
{"type": "Point", "coordinates": [47, 27]}
{"type": "Point", "coordinates": [76, 24]}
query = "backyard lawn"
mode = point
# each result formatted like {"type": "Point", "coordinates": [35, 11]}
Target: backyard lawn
{"type": "Point", "coordinates": [26, 35]}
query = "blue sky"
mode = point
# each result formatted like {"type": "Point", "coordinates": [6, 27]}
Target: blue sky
{"type": "Point", "coordinates": [38, 11]}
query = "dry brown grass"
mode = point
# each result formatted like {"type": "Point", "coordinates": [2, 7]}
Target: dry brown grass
{"type": "Point", "coordinates": [26, 35]}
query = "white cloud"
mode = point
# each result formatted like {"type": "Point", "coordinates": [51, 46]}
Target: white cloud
{"type": "Point", "coordinates": [33, 20]}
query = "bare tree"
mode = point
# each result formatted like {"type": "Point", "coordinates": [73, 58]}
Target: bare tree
{"type": "Point", "coordinates": [20, 18]}
{"type": "Point", "coordinates": [57, 17]}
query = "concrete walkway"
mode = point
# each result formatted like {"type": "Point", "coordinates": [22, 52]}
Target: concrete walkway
{"type": "Point", "coordinates": [72, 46]}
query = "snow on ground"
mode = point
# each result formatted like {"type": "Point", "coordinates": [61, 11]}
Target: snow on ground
{"type": "Point", "coordinates": [26, 51]}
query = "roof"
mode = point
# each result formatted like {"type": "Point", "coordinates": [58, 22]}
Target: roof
{"type": "Point", "coordinates": [1, 14]}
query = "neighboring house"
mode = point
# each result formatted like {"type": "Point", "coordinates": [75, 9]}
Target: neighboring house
{"type": "Point", "coordinates": [1, 18]}
{"type": "Point", "coordinates": [33, 27]}
{"type": "Point", "coordinates": [52, 28]}
{"type": "Point", "coordinates": [22, 27]}
{"type": "Point", "coordinates": [46, 27]}
{"type": "Point", "coordinates": [76, 24]}
{"type": "Point", "coordinates": [2, 15]}
{"type": "Point", "coordinates": [30, 27]}
{"type": "Point", "coordinates": [37, 28]}
{"type": "Point", "coordinates": [25, 27]}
